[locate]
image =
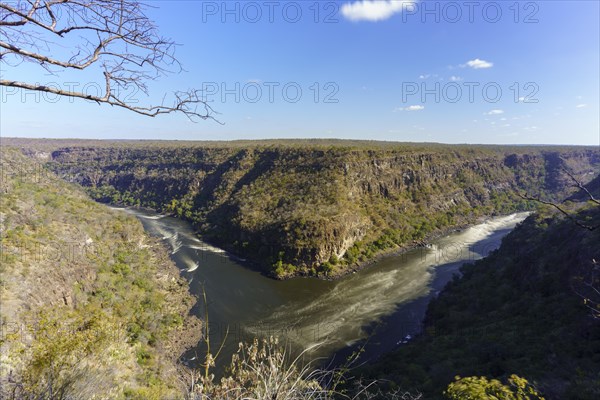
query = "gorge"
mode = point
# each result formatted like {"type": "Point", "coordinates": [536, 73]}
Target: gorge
{"type": "Point", "coordinates": [413, 213]}
{"type": "Point", "coordinates": [321, 208]}
{"type": "Point", "coordinates": [244, 304]}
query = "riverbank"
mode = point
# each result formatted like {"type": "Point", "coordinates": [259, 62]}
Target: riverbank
{"type": "Point", "coordinates": [398, 251]}
{"type": "Point", "coordinates": [359, 266]}
{"type": "Point", "coordinates": [189, 332]}
{"type": "Point", "coordinates": [405, 324]}
{"type": "Point", "coordinates": [349, 269]}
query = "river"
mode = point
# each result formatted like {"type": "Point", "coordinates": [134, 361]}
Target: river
{"type": "Point", "coordinates": [385, 301]}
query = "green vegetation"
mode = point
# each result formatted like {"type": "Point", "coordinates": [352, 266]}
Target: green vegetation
{"type": "Point", "coordinates": [523, 310]}
{"type": "Point", "coordinates": [96, 317]}
{"type": "Point", "coordinates": [90, 305]}
{"type": "Point", "coordinates": [289, 206]}
{"type": "Point", "coordinates": [480, 388]}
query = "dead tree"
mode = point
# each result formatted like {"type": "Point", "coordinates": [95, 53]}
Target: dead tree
{"type": "Point", "coordinates": [114, 37]}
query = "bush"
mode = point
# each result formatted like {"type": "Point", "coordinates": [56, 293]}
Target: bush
{"type": "Point", "coordinates": [480, 388]}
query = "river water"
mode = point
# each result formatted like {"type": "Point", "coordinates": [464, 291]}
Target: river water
{"type": "Point", "coordinates": [385, 301]}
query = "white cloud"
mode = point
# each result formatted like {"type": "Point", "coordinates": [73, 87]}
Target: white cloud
{"type": "Point", "coordinates": [478, 64]}
{"type": "Point", "coordinates": [425, 76]}
{"type": "Point", "coordinates": [410, 108]}
{"type": "Point", "coordinates": [581, 105]}
{"type": "Point", "coordinates": [495, 112]}
{"type": "Point", "coordinates": [375, 10]}
{"type": "Point", "coordinates": [455, 78]}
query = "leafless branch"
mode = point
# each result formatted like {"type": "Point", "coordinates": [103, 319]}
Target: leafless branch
{"type": "Point", "coordinates": [588, 290]}
{"type": "Point", "coordinates": [186, 102]}
{"type": "Point", "coordinates": [116, 36]}
{"type": "Point", "coordinates": [559, 208]}
{"type": "Point", "coordinates": [582, 187]}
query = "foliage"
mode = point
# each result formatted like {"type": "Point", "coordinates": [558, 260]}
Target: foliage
{"type": "Point", "coordinates": [480, 388]}
{"type": "Point", "coordinates": [71, 355]}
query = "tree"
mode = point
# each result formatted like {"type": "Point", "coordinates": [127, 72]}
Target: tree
{"type": "Point", "coordinates": [480, 388]}
{"type": "Point", "coordinates": [114, 35]}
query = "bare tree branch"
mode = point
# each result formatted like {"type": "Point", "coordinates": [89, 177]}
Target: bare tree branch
{"type": "Point", "coordinates": [559, 208]}
{"type": "Point", "coordinates": [588, 290]}
{"type": "Point", "coordinates": [186, 102]}
{"type": "Point", "coordinates": [114, 35]}
{"type": "Point", "coordinates": [582, 187]}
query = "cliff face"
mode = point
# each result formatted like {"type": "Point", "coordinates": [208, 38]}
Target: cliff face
{"type": "Point", "coordinates": [321, 209]}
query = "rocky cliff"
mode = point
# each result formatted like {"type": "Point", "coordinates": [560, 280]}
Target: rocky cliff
{"type": "Point", "coordinates": [321, 208]}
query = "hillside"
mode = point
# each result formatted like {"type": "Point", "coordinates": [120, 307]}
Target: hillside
{"type": "Point", "coordinates": [91, 307]}
{"type": "Point", "coordinates": [319, 208]}
{"type": "Point", "coordinates": [526, 309]}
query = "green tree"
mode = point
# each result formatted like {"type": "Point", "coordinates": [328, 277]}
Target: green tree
{"type": "Point", "coordinates": [480, 388]}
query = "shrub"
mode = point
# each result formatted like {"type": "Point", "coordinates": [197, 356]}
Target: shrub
{"type": "Point", "coordinates": [480, 388]}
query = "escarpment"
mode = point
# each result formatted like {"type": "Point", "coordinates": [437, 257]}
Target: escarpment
{"type": "Point", "coordinates": [322, 209]}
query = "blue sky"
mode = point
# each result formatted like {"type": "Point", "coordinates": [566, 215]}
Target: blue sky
{"type": "Point", "coordinates": [441, 71]}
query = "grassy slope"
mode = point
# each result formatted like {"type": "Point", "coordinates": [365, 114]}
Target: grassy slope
{"type": "Point", "coordinates": [88, 300]}
{"type": "Point", "coordinates": [514, 312]}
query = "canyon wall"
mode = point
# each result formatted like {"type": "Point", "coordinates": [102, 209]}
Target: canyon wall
{"type": "Point", "coordinates": [311, 208]}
